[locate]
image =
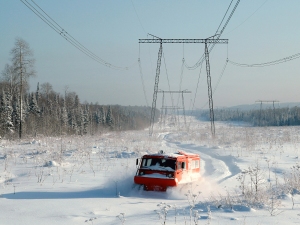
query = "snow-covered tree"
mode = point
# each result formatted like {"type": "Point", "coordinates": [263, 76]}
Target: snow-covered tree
{"type": "Point", "coordinates": [6, 110]}
{"type": "Point", "coordinates": [33, 107]}
{"type": "Point", "coordinates": [85, 120]}
{"type": "Point", "coordinates": [23, 65]}
{"type": "Point", "coordinates": [37, 93]}
{"type": "Point", "coordinates": [72, 121]}
{"type": "Point", "coordinates": [102, 115]}
{"type": "Point", "coordinates": [63, 116]}
{"type": "Point", "coordinates": [109, 117]}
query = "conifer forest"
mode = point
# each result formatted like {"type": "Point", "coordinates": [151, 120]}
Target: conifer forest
{"type": "Point", "coordinates": [49, 113]}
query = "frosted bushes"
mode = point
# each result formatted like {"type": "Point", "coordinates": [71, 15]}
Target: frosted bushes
{"type": "Point", "coordinates": [253, 185]}
{"type": "Point", "coordinates": [163, 212]}
{"type": "Point", "coordinates": [256, 192]}
{"type": "Point", "coordinates": [50, 164]}
{"type": "Point", "coordinates": [292, 182]}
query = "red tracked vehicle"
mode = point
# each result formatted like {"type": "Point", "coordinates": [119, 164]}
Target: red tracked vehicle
{"type": "Point", "coordinates": [157, 172]}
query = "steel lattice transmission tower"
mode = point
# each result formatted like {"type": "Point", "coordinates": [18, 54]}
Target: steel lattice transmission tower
{"type": "Point", "coordinates": [261, 101]}
{"type": "Point", "coordinates": [160, 41]}
{"type": "Point", "coordinates": [210, 98]}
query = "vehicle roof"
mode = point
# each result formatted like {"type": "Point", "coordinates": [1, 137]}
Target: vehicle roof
{"type": "Point", "coordinates": [179, 154]}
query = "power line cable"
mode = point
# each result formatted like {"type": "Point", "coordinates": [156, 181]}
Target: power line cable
{"type": "Point", "coordinates": [181, 78]}
{"type": "Point", "coordinates": [193, 103]}
{"type": "Point", "coordinates": [142, 78]}
{"type": "Point", "coordinates": [231, 14]}
{"type": "Point", "coordinates": [217, 84]}
{"type": "Point", "coordinates": [50, 24]}
{"type": "Point", "coordinates": [138, 16]}
{"type": "Point", "coordinates": [62, 32]}
{"type": "Point", "coordinates": [46, 14]}
{"type": "Point", "coordinates": [202, 59]}
{"type": "Point", "coordinates": [171, 95]}
{"type": "Point", "coordinates": [65, 33]}
{"type": "Point", "coordinates": [197, 87]}
{"type": "Point", "coordinates": [216, 33]}
{"type": "Point", "coordinates": [78, 44]}
{"type": "Point", "coordinates": [220, 77]}
{"type": "Point", "coordinates": [271, 63]}
{"type": "Point", "coordinates": [181, 74]}
{"type": "Point", "coordinates": [224, 17]}
{"type": "Point", "coordinates": [40, 16]}
{"type": "Point", "coordinates": [143, 84]}
{"type": "Point", "coordinates": [248, 17]}
{"type": "Point", "coordinates": [139, 60]}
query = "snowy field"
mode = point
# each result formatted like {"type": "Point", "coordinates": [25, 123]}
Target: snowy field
{"type": "Point", "coordinates": [248, 176]}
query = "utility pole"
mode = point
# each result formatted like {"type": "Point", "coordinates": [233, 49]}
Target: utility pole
{"type": "Point", "coordinates": [261, 101]}
{"type": "Point", "coordinates": [206, 41]}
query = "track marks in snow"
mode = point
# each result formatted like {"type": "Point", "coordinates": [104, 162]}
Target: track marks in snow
{"type": "Point", "coordinates": [217, 167]}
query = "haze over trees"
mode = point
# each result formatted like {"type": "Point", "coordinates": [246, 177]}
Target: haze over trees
{"type": "Point", "coordinates": [266, 117]}
{"type": "Point", "coordinates": [46, 112]}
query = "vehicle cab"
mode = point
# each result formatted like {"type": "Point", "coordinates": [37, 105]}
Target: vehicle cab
{"type": "Point", "coordinates": [158, 171]}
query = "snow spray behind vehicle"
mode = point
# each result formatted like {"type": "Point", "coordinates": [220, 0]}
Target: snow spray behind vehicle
{"type": "Point", "coordinates": [157, 172]}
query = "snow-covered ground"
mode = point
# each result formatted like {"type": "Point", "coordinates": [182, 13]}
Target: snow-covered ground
{"type": "Point", "coordinates": [248, 176]}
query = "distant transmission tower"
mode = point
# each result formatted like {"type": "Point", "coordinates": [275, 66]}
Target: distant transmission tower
{"type": "Point", "coordinates": [261, 101]}
{"type": "Point", "coordinates": [172, 107]}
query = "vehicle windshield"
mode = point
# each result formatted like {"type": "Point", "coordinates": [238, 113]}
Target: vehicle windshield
{"type": "Point", "coordinates": [159, 164]}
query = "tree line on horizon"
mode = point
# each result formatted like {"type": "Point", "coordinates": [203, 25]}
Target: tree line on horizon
{"type": "Point", "coordinates": [46, 112]}
{"type": "Point", "coordinates": [260, 117]}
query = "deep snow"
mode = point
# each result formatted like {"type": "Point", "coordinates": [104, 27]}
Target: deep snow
{"type": "Point", "coordinates": [89, 179]}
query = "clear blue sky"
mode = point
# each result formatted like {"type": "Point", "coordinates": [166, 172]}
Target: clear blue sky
{"type": "Point", "coordinates": [259, 31]}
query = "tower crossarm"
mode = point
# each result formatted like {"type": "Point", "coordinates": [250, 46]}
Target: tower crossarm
{"type": "Point", "coordinates": [185, 41]}
{"type": "Point", "coordinates": [266, 101]}
{"type": "Point", "coordinates": [160, 91]}
{"type": "Point", "coordinates": [171, 107]}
